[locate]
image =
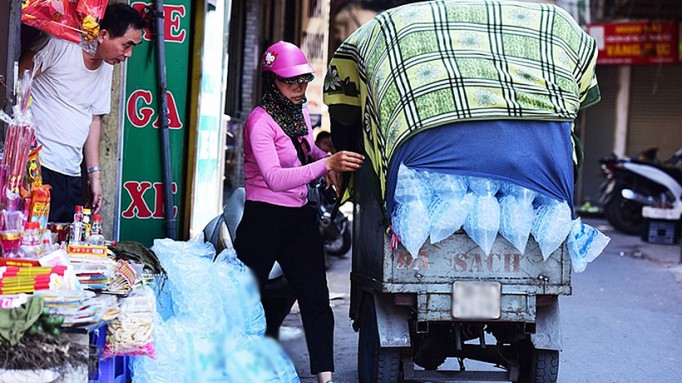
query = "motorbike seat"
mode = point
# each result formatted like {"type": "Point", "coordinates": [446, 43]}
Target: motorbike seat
{"type": "Point", "coordinates": [222, 230]}
{"type": "Point", "coordinates": [234, 210]}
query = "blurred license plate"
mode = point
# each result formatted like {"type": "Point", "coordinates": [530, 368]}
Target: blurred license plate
{"type": "Point", "coordinates": [476, 300]}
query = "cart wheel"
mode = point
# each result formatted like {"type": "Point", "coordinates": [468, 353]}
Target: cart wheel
{"type": "Point", "coordinates": [539, 366]}
{"type": "Point", "coordinates": [375, 364]}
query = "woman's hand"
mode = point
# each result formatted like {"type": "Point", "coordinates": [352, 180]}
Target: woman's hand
{"type": "Point", "coordinates": [333, 180]}
{"type": "Point", "coordinates": [344, 161]}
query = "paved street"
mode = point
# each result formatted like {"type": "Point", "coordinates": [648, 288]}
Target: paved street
{"type": "Point", "coordinates": [621, 325]}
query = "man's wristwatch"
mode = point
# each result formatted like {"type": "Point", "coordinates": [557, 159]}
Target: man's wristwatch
{"type": "Point", "coordinates": [93, 169]}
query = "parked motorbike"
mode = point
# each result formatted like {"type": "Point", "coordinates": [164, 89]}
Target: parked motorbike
{"type": "Point", "coordinates": [640, 180]}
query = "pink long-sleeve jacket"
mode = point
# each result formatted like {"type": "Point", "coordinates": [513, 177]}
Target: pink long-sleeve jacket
{"type": "Point", "coordinates": [272, 170]}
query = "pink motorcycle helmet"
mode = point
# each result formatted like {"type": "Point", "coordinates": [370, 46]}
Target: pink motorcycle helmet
{"type": "Point", "coordinates": [286, 60]}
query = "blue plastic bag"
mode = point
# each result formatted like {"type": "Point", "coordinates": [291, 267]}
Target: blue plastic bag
{"type": "Point", "coordinates": [170, 364]}
{"type": "Point", "coordinates": [242, 306]}
{"type": "Point", "coordinates": [585, 243]}
{"type": "Point", "coordinates": [189, 284]}
{"type": "Point", "coordinates": [258, 359]}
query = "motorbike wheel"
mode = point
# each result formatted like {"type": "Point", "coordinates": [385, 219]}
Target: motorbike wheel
{"type": "Point", "coordinates": [375, 364]}
{"type": "Point", "coordinates": [623, 214]}
{"type": "Point", "coordinates": [339, 246]}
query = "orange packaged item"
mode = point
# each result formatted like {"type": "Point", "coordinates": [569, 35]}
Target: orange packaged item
{"type": "Point", "coordinates": [33, 175]}
{"type": "Point", "coordinates": [40, 205]}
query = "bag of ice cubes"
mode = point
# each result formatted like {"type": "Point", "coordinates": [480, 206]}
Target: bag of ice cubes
{"type": "Point", "coordinates": [410, 217]}
{"type": "Point", "coordinates": [483, 221]}
{"type": "Point", "coordinates": [516, 214]}
{"type": "Point", "coordinates": [551, 224]}
{"type": "Point", "coordinates": [449, 205]}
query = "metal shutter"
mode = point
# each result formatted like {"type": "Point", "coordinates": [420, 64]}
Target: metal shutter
{"type": "Point", "coordinates": [655, 109]}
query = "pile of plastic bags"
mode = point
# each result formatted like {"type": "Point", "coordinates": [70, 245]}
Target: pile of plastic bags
{"type": "Point", "coordinates": [430, 205]}
{"type": "Point", "coordinates": [210, 321]}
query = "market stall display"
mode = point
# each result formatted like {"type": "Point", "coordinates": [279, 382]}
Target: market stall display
{"type": "Point", "coordinates": [60, 284]}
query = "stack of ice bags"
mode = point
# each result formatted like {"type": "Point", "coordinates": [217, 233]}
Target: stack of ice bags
{"type": "Point", "coordinates": [435, 205]}
{"type": "Point", "coordinates": [210, 322]}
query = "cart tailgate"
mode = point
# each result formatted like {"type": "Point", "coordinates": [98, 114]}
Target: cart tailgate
{"type": "Point", "coordinates": [459, 258]}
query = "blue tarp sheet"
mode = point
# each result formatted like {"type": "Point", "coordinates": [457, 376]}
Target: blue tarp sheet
{"type": "Point", "coordinates": [537, 155]}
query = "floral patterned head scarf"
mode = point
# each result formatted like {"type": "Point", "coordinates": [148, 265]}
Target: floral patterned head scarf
{"type": "Point", "coordinates": [288, 115]}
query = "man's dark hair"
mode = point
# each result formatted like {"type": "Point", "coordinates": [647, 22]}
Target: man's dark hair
{"type": "Point", "coordinates": [118, 17]}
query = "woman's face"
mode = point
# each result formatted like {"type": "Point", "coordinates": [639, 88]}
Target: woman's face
{"type": "Point", "coordinates": [293, 92]}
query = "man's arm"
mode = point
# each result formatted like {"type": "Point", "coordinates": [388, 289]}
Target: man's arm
{"type": "Point", "coordinates": [26, 61]}
{"type": "Point", "coordinates": [91, 157]}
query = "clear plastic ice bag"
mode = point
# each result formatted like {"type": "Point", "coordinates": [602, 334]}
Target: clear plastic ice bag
{"type": "Point", "coordinates": [410, 217]}
{"type": "Point", "coordinates": [258, 359]}
{"type": "Point", "coordinates": [516, 214]}
{"type": "Point", "coordinates": [449, 205]}
{"type": "Point", "coordinates": [551, 224]}
{"type": "Point", "coordinates": [171, 355]}
{"type": "Point", "coordinates": [483, 221]}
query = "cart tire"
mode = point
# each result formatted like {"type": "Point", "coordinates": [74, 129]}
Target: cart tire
{"type": "Point", "coordinates": [375, 364]}
{"type": "Point", "coordinates": [541, 366]}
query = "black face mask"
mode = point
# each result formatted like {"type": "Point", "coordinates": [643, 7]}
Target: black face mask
{"type": "Point", "coordinates": [288, 115]}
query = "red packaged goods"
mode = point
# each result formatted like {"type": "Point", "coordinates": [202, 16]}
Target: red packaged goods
{"type": "Point", "coordinates": [72, 20]}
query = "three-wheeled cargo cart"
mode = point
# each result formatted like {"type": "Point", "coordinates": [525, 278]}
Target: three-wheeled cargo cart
{"type": "Point", "coordinates": [452, 301]}
{"type": "Point", "coordinates": [467, 88]}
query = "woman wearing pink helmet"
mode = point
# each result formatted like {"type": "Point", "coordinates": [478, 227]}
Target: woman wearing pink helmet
{"type": "Point", "coordinates": [278, 224]}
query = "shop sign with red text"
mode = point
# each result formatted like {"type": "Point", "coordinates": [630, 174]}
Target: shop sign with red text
{"type": "Point", "coordinates": [141, 212]}
{"type": "Point", "coordinates": [636, 42]}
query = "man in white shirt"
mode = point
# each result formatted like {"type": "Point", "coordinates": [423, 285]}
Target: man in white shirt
{"type": "Point", "coordinates": [71, 91]}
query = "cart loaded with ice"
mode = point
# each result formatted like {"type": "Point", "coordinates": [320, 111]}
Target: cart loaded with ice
{"type": "Point", "coordinates": [464, 230]}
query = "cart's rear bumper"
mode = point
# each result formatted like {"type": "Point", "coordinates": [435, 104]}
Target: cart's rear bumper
{"type": "Point", "coordinates": [518, 303]}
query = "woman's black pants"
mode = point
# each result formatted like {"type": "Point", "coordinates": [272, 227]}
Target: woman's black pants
{"type": "Point", "coordinates": [290, 236]}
